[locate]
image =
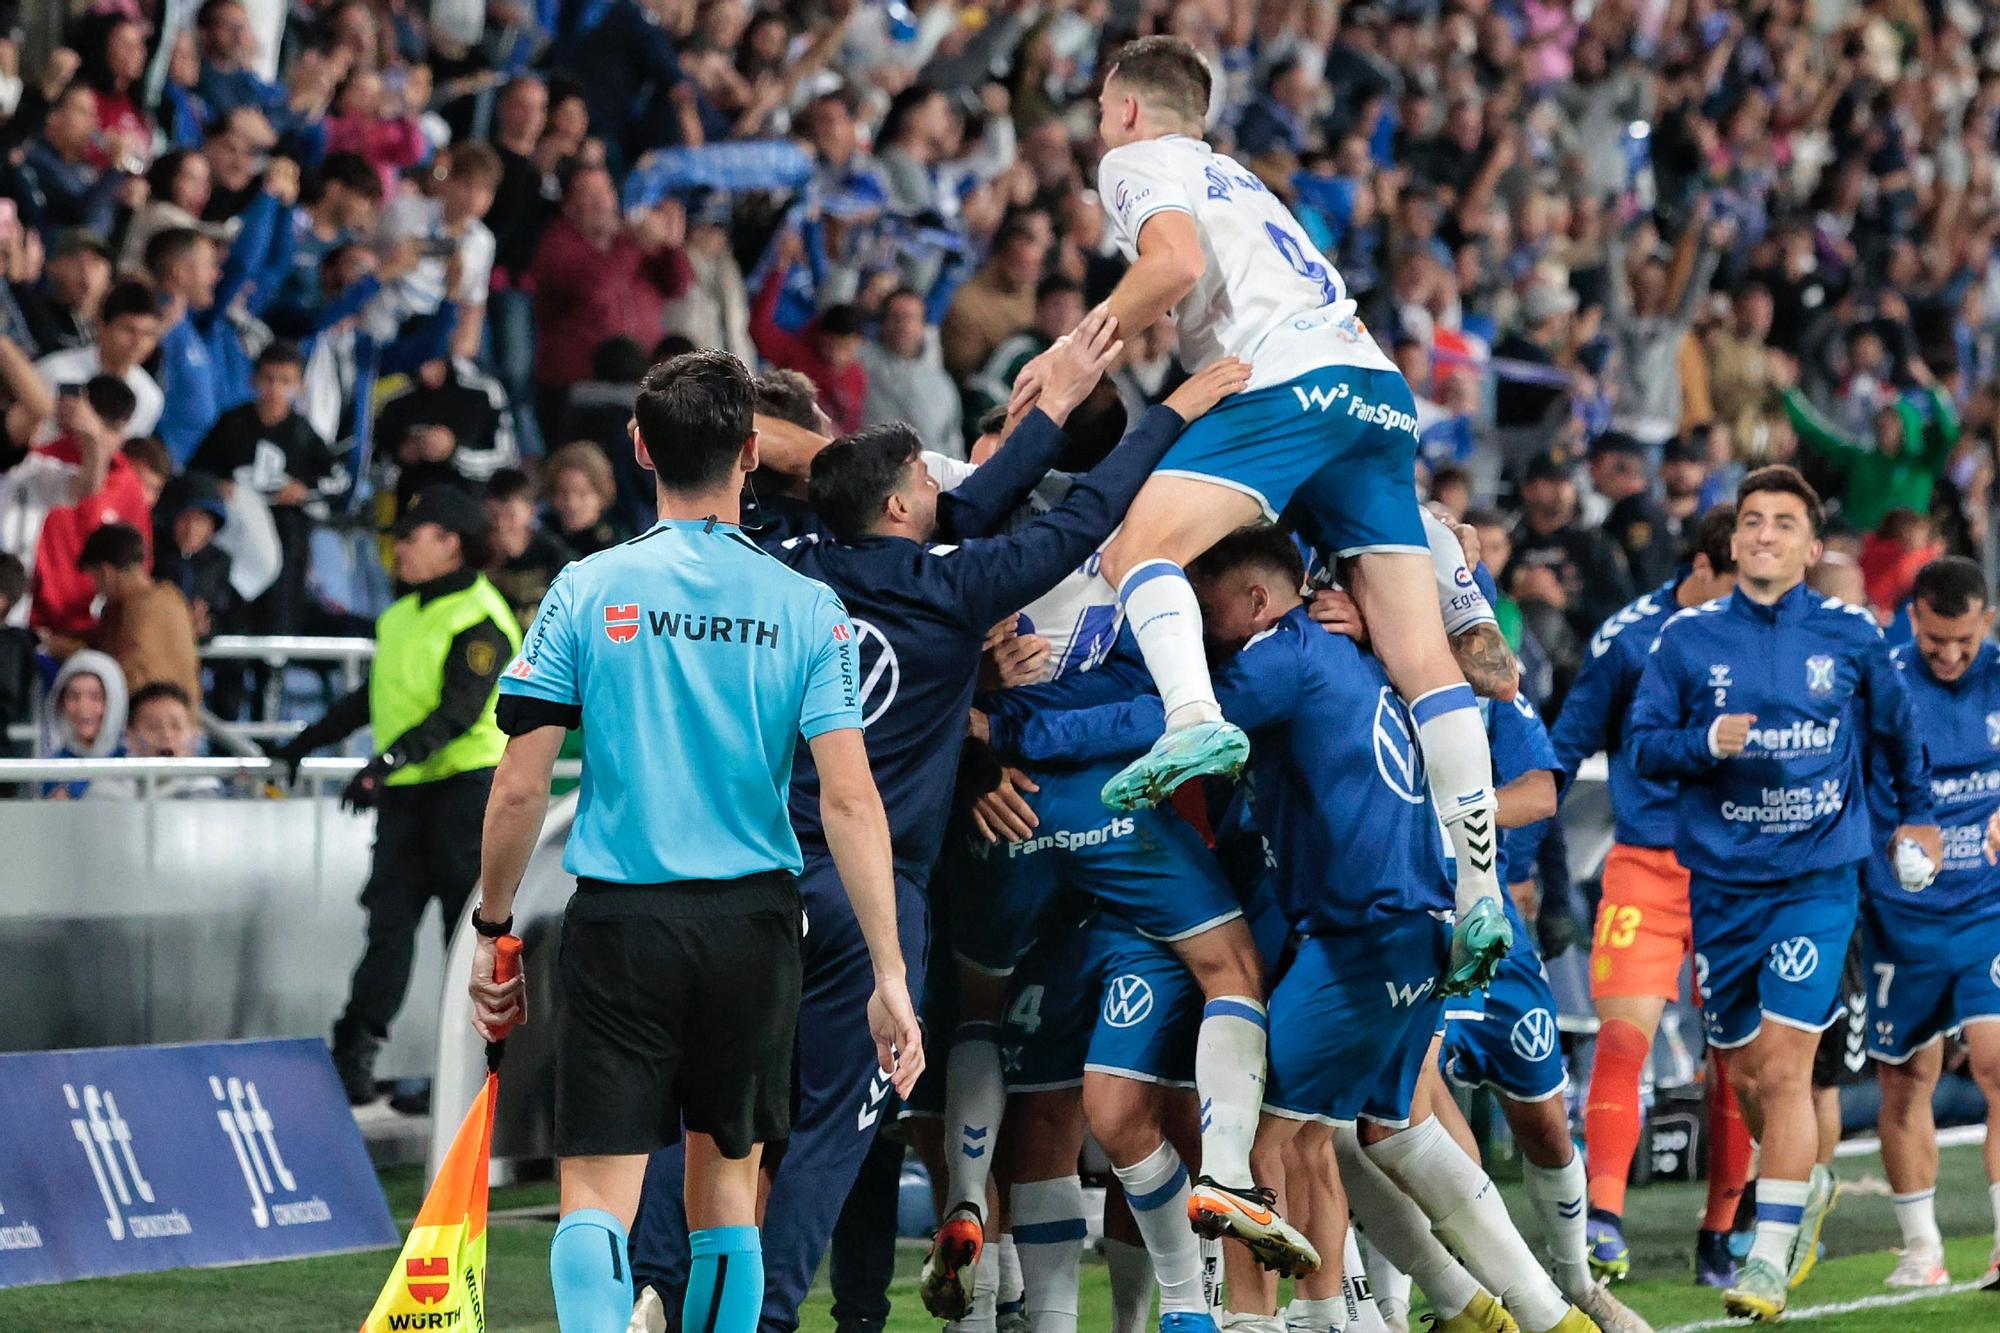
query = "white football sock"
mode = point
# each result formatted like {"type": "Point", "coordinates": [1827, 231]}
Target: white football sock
{"type": "Point", "coordinates": [1361, 1313]}
{"type": "Point", "coordinates": [1781, 1205]}
{"type": "Point", "coordinates": [1916, 1214]}
{"type": "Point", "coordinates": [1458, 765]}
{"type": "Point", "coordinates": [1046, 1218]}
{"type": "Point", "coordinates": [1559, 1195]}
{"type": "Point", "coordinates": [1466, 1210]}
{"type": "Point", "coordinates": [975, 1097]}
{"type": "Point", "coordinates": [1400, 1241]}
{"type": "Point", "coordinates": [1321, 1316]}
{"type": "Point", "coordinates": [981, 1317]}
{"type": "Point", "coordinates": [1157, 1191]}
{"type": "Point", "coordinates": [1007, 1287]}
{"type": "Point", "coordinates": [1211, 1272]}
{"type": "Point", "coordinates": [1131, 1285]}
{"type": "Point", "coordinates": [1993, 1194]}
{"type": "Point", "coordinates": [1160, 607]}
{"type": "Point", "coordinates": [1229, 1079]}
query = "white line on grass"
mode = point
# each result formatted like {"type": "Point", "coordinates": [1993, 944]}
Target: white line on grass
{"type": "Point", "coordinates": [1798, 1315]}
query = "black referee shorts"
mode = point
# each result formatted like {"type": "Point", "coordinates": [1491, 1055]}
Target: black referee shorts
{"type": "Point", "coordinates": [677, 1004]}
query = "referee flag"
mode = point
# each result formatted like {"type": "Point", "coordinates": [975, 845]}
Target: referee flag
{"type": "Point", "coordinates": [439, 1281]}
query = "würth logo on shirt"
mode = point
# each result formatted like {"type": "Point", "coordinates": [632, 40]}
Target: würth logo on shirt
{"type": "Point", "coordinates": [621, 623]}
{"type": "Point", "coordinates": [842, 634]}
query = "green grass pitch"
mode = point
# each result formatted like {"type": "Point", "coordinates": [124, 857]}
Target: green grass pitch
{"type": "Point", "coordinates": [326, 1295]}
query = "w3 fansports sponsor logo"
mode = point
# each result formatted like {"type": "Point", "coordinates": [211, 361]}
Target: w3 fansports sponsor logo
{"type": "Point", "coordinates": [1063, 840]}
{"type": "Point", "coordinates": [1374, 414]}
{"type": "Point", "coordinates": [252, 1135]}
{"type": "Point", "coordinates": [1782, 808]}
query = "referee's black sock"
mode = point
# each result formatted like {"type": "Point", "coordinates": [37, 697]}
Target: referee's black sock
{"type": "Point", "coordinates": [591, 1270]}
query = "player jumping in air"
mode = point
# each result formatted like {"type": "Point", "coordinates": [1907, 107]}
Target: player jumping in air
{"type": "Point", "coordinates": [1327, 427]}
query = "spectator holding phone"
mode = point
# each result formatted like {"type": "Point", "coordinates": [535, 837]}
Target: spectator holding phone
{"type": "Point", "coordinates": [89, 482]}
{"type": "Point", "coordinates": [128, 330]}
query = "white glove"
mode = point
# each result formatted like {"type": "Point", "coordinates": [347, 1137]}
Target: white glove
{"type": "Point", "coordinates": [1914, 870]}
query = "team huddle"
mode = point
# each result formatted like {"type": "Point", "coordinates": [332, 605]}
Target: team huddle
{"type": "Point", "coordinates": [1220, 881]}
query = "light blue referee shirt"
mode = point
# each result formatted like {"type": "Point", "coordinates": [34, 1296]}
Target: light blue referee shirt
{"type": "Point", "coordinates": [694, 663]}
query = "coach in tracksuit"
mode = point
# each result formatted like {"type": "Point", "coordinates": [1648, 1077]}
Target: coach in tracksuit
{"type": "Point", "coordinates": [1764, 706]}
{"type": "Point", "coordinates": [1933, 950]}
{"type": "Point", "coordinates": [921, 614]}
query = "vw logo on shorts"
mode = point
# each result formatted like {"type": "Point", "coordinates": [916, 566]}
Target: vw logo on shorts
{"type": "Point", "coordinates": [1534, 1035]}
{"type": "Point", "coordinates": [1993, 972]}
{"type": "Point", "coordinates": [1795, 959]}
{"type": "Point", "coordinates": [1128, 1000]}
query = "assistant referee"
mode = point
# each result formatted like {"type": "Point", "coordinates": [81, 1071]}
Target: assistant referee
{"type": "Point", "coordinates": [698, 662]}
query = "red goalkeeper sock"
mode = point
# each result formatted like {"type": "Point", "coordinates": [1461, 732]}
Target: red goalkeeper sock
{"type": "Point", "coordinates": [1728, 1150]}
{"type": "Point", "coordinates": [1611, 1112]}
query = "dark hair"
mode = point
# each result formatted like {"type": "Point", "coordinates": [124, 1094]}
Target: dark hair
{"type": "Point", "coordinates": [1951, 585]}
{"type": "Point", "coordinates": [1481, 517]}
{"type": "Point", "coordinates": [1014, 227]}
{"type": "Point", "coordinates": [130, 297]}
{"type": "Point", "coordinates": [901, 107]}
{"type": "Point", "coordinates": [1711, 537]}
{"type": "Point", "coordinates": [991, 421]}
{"type": "Point", "coordinates": [1264, 545]}
{"type": "Point", "coordinates": [150, 453]}
{"type": "Point", "coordinates": [154, 691]}
{"type": "Point", "coordinates": [160, 176]}
{"type": "Point", "coordinates": [510, 483]}
{"type": "Point", "coordinates": [1167, 72]}
{"type": "Point", "coordinates": [673, 345]}
{"type": "Point", "coordinates": [13, 579]}
{"type": "Point", "coordinates": [842, 321]}
{"type": "Point", "coordinates": [618, 361]}
{"type": "Point", "coordinates": [694, 414]}
{"type": "Point", "coordinates": [475, 549]}
{"type": "Point", "coordinates": [111, 398]}
{"type": "Point", "coordinates": [282, 353]}
{"type": "Point", "coordinates": [1902, 524]}
{"type": "Point", "coordinates": [93, 41]}
{"type": "Point", "coordinates": [474, 160]}
{"type": "Point", "coordinates": [169, 247]}
{"type": "Point", "coordinates": [1447, 476]}
{"type": "Point", "coordinates": [1784, 479]}
{"type": "Point", "coordinates": [209, 8]}
{"type": "Point", "coordinates": [853, 476]}
{"type": "Point", "coordinates": [116, 544]}
{"type": "Point", "coordinates": [351, 172]}
{"type": "Point", "coordinates": [1056, 285]}
{"type": "Point", "coordinates": [789, 396]}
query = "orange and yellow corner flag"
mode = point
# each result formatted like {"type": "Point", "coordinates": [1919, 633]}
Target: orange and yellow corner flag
{"type": "Point", "coordinates": [440, 1279]}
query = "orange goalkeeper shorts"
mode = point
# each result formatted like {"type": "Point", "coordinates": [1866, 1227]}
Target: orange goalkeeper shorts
{"type": "Point", "coordinates": [1643, 932]}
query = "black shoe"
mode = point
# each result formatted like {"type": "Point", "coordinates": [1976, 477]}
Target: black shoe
{"type": "Point", "coordinates": [354, 1052]}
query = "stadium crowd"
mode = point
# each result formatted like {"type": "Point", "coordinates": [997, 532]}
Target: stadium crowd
{"type": "Point", "coordinates": [335, 253]}
{"type": "Point", "coordinates": [276, 278]}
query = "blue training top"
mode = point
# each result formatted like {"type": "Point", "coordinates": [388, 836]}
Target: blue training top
{"type": "Point", "coordinates": [694, 663]}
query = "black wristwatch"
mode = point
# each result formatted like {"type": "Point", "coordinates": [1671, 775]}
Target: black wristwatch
{"type": "Point", "coordinates": [492, 930]}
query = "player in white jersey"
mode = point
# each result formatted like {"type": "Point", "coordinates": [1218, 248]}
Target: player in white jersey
{"type": "Point", "coordinates": [1325, 430]}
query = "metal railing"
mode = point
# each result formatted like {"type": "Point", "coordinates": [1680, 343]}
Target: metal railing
{"type": "Point", "coordinates": [314, 774]}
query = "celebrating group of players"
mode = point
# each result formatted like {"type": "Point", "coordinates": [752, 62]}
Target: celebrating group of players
{"type": "Point", "coordinates": [1246, 993]}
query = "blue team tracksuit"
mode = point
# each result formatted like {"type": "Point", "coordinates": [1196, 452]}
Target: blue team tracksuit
{"type": "Point", "coordinates": [1932, 955]}
{"type": "Point", "coordinates": [1774, 837]}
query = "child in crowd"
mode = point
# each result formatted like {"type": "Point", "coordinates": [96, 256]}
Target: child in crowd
{"type": "Point", "coordinates": [163, 727]}
{"type": "Point", "coordinates": [86, 720]}
{"type": "Point", "coordinates": [580, 490]}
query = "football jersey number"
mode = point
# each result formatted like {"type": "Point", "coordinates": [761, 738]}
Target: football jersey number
{"type": "Point", "coordinates": [1294, 251]}
{"type": "Point", "coordinates": [1025, 1014]}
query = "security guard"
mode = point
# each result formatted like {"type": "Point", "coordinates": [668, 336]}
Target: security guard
{"type": "Point", "coordinates": [429, 703]}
